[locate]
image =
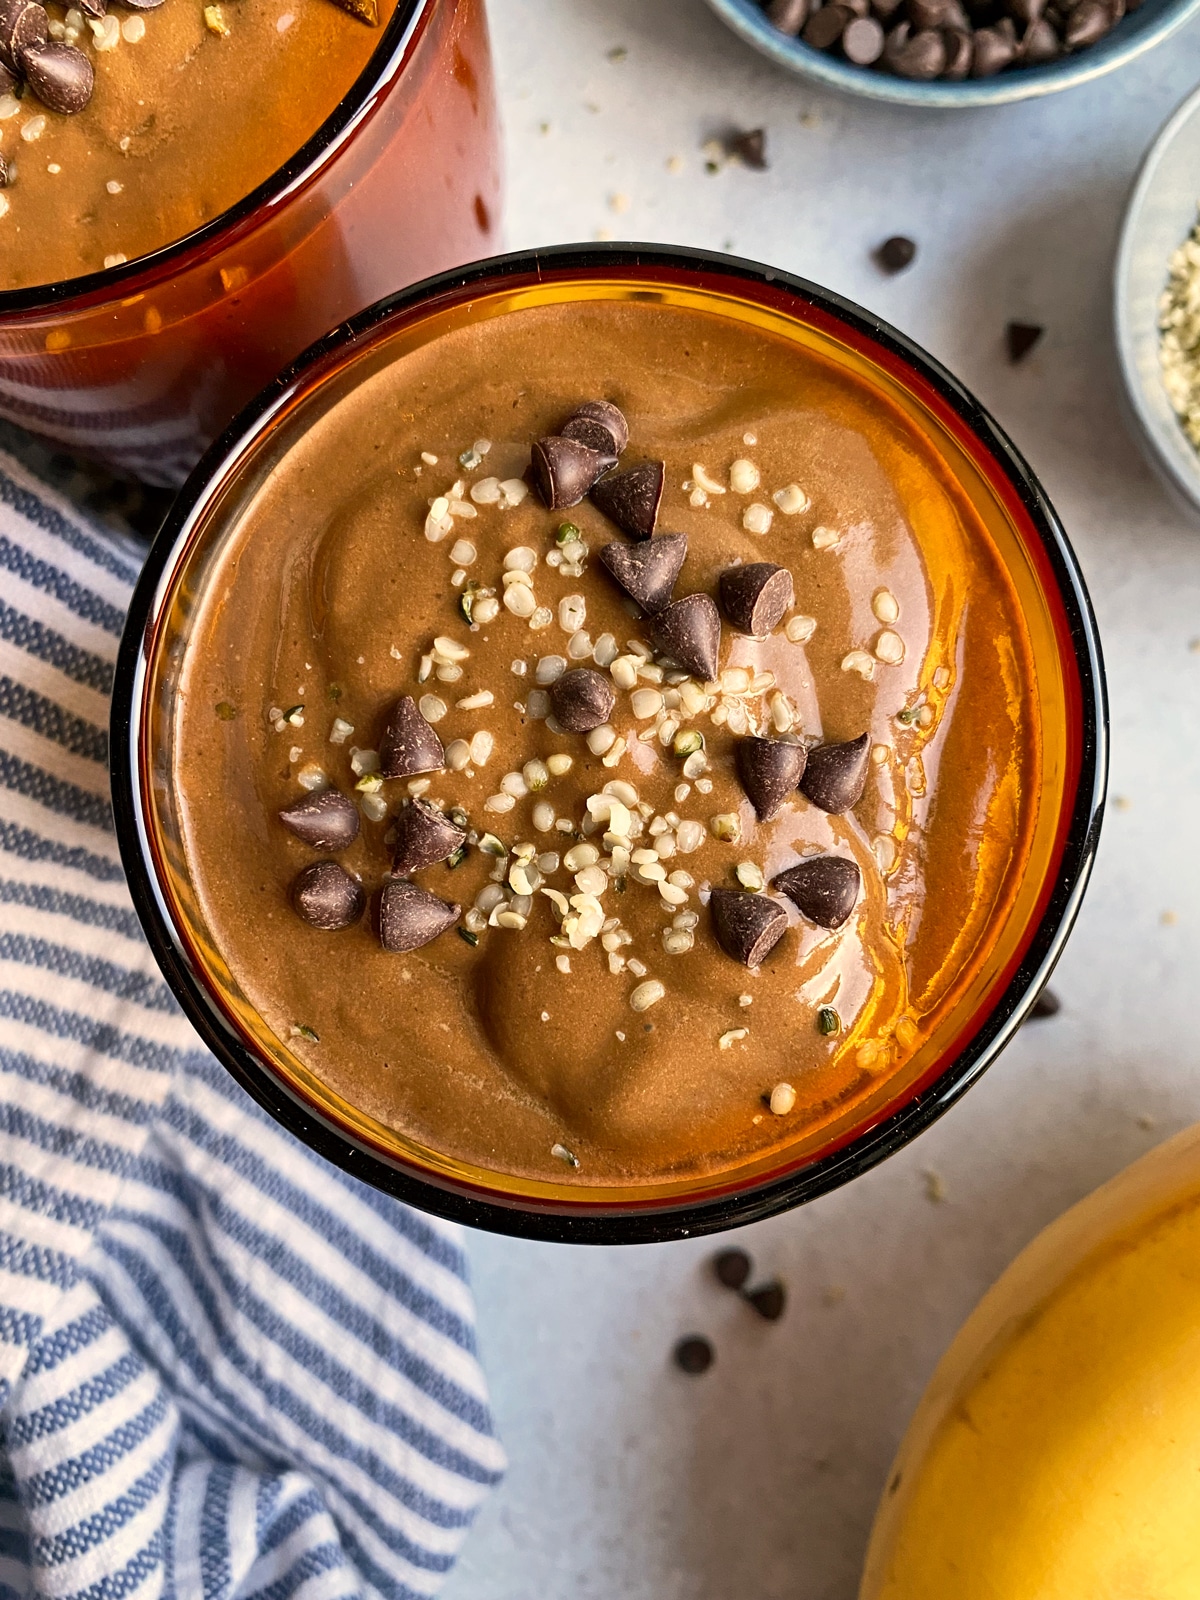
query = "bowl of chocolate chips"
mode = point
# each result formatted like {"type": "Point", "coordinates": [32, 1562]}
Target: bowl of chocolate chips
{"type": "Point", "coordinates": [953, 52]}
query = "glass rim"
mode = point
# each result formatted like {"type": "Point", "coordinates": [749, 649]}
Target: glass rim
{"type": "Point", "coordinates": [591, 1220]}
{"type": "Point", "coordinates": [92, 288]}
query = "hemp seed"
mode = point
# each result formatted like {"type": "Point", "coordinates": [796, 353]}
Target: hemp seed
{"type": "Point", "coordinates": [645, 703]}
{"type": "Point", "coordinates": [889, 648]}
{"type": "Point", "coordinates": [783, 1099]}
{"type": "Point", "coordinates": [689, 836]}
{"type": "Point", "coordinates": [743, 476]}
{"type": "Point", "coordinates": [647, 994]}
{"type": "Point", "coordinates": [791, 500]}
{"type": "Point", "coordinates": [549, 669]}
{"type": "Point", "coordinates": [859, 661]}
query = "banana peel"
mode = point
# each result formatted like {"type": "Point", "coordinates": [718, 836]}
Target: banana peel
{"type": "Point", "coordinates": [1056, 1452]}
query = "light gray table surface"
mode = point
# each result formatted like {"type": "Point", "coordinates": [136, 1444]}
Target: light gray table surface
{"type": "Point", "coordinates": [628, 1480]}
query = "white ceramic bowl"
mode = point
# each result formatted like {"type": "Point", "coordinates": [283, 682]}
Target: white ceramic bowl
{"type": "Point", "coordinates": [1161, 213]}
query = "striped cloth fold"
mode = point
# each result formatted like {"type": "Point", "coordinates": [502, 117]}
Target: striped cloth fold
{"type": "Point", "coordinates": [226, 1368]}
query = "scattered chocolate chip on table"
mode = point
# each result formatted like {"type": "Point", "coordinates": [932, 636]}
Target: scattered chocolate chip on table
{"type": "Point", "coordinates": [896, 253]}
{"type": "Point", "coordinates": [694, 1354]}
{"type": "Point", "coordinates": [732, 1268]}
{"type": "Point", "coordinates": [1020, 338]}
{"type": "Point", "coordinates": [769, 1300]}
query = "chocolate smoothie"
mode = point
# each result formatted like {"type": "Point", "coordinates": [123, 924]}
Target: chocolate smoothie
{"type": "Point", "coordinates": [598, 808]}
{"type": "Point", "coordinates": [123, 130]}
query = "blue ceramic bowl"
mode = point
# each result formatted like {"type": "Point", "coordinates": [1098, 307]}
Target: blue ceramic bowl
{"type": "Point", "coordinates": [1153, 21]}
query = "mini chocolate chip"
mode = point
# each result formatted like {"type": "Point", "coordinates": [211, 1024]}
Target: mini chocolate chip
{"type": "Point", "coordinates": [599, 424]}
{"type": "Point", "coordinates": [3, 163]}
{"type": "Point", "coordinates": [919, 56]}
{"type": "Point", "coordinates": [732, 1268]}
{"type": "Point", "coordinates": [825, 27]}
{"type": "Point", "coordinates": [410, 916]}
{"type": "Point", "coordinates": [749, 148]}
{"type": "Point", "coordinates": [409, 745]}
{"type": "Point", "coordinates": [770, 770]}
{"type": "Point", "coordinates": [755, 595]}
{"type": "Point", "coordinates": [143, 5]}
{"type": "Point", "coordinates": [23, 23]}
{"type": "Point", "coordinates": [689, 631]}
{"type": "Point", "coordinates": [424, 836]}
{"type": "Point", "coordinates": [1025, 11]}
{"type": "Point", "coordinates": [647, 571]}
{"type": "Point", "coordinates": [61, 76]}
{"type": "Point", "coordinates": [1020, 337]}
{"type": "Point", "coordinates": [94, 8]}
{"type": "Point", "coordinates": [1047, 1004]}
{"type": "Point", "coordinates": [1088, 21]}
{"type": "Point", "coordinates": [693, 1355]}
{"type": "Point", "coordinates": [581, 700]}
{"type": "Point", "coordinates": [769, 1300]}
{"type": "Point", "coordinates": [896, 253]}
{"type": "Point", "coordinates": [960, 52]}
{"type": "Point", "coordinates": [822, 888]}
{"type": "Point", "coordinates": [564, 470]}
{"type": "Point", "coordinates": [748, 926]}
{"type": "Point", "coordinates": [327, 820]}
{"type": "Point", "coordinates": [993, 52]}
{"type": "Point", "coordinates": [835, 774]}
{"type": "Point", "coordinates": [788, 16]}
{"type": "Point", "coordinates": [885, 10]}
{"type": "Point", "coordinates": [8, 80]}
{"type": "Point", "coordinates": [1040, 43]}
{"type": "Point", "coordinates": [863, 41]}
{"type": "Point", "coordinates": [631, 499]}
{"type": "Point", "coordinates": [327, 897]}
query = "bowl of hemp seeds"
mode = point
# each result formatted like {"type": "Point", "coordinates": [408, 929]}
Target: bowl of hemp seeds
{"type": "Point", "coordinates": [953, 52]}
{"type": "Point", "coordinates": [1157, 302]}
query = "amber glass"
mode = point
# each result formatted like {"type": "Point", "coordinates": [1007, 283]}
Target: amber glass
{"type": "Point", "coordinates": [1028, 927]}
{"type": "Point", "coordinates": [143, 365]}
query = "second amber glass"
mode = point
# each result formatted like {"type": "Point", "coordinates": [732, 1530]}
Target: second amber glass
{"type": "Point", "coordinates": [143, 365]}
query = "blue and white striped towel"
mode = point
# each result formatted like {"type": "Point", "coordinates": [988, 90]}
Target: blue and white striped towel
{"type": "Point", "coordinates": [226, 1369]}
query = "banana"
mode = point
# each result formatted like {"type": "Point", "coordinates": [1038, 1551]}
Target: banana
{"type": "Point", "coordinates": [1056, 1452]}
